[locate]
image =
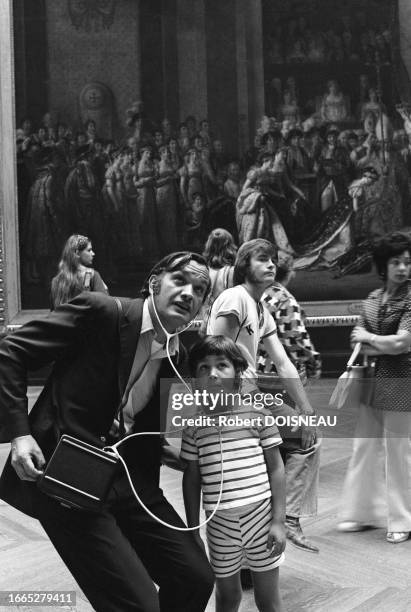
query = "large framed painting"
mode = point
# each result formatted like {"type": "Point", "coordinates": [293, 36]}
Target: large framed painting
{"type": "Point", "coordinates": [146, 125]}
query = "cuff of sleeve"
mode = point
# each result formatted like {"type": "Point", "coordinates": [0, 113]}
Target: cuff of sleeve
{"type": "Point", "coordinates": [17, 422]}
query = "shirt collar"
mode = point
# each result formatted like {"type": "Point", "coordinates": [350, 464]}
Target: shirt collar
{"type": "Point", "coordinates": [157, 349]}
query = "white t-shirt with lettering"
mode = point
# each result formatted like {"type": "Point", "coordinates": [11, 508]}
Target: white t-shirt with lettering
{"type": "Point", "coordinates": [256, 323]}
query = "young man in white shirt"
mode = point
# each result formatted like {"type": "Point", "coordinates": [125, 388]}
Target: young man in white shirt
{"type": "Point", "coordinates": [239, 314]}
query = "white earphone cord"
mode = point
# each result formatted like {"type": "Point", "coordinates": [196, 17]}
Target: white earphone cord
{"type": "Point", "coordinates": [113, 448]}
{"type": "Point", "coordinates": [169, 336]}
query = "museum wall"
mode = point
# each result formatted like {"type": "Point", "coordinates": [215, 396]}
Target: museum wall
{"type": "Point", "coordinates": [107, 55]}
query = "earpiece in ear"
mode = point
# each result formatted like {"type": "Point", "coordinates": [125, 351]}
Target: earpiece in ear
{"type": "Point", "coordinates": [155, 287]}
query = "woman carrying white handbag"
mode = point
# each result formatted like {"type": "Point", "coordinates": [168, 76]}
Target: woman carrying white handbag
{"type": "Point", "coordinates": [383, 429]}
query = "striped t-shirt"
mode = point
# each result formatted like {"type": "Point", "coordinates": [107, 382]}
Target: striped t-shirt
{"type": "Point", "coordinates": [245, 471]}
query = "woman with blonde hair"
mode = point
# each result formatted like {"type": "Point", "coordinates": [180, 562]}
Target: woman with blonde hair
{"type": "Point", "coordinates": [219, 252]}
{"type": "Point", "coordinates": [75, 272]}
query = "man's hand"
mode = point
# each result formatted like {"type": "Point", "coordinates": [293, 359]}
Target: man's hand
{"type": "Point", "coordinates": [308, 436]}
{"type": "Point", "coordinates": [276, 539]}
{"type": "Point", "coordinates": [359, 334]}
{"type": "Point", "coordinates": [27, 458]}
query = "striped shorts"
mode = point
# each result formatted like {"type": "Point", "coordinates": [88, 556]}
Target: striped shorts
{"type": "Point", "coordinates": [235, 541]}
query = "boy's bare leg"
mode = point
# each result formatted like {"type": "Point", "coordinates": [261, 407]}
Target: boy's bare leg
{"type": "Point", "coordinates": [228, 593]}
{"type": "Point", "coordinates": [267, 591]}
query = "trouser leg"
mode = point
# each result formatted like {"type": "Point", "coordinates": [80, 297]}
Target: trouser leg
{"type": "Point", "coordinates": [363, 495]}
{"type": "Point", "coordinates": [301, 468]}
{"type": "Point", "coordinates": [101, 559]}
{"type": "Point", "coordinates": [398, 469]}
{"type": "Point", "coordinates": [174, 559]}
{"type": "Point", "coordinates": [116, 555]}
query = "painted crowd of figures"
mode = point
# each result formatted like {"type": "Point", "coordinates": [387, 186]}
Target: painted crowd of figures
{"type": "Point", "coordinates": [316, 194]}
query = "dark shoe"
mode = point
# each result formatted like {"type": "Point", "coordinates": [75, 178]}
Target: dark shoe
{"type": "Point", "coordinates": [295, 535]}
{"type": "Point", "coordinates": [246, 580]}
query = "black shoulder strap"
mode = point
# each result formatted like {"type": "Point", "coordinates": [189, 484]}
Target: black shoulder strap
{"type": "Point", "coordinates": [120, 411]}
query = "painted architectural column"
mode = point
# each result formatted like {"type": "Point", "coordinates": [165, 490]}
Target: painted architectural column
{"type": "Point", "coordinates": [255, 66]}
{"type": "Point", "coordinates": [9, 254]}
{"type": "Point", "coordinates": [192, 58]}
{"type": "Point", "coordinates": [242, 76]}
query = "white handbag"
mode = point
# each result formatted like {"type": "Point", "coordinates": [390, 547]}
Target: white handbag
{"type": "Point", "coordinates": [355, 386]}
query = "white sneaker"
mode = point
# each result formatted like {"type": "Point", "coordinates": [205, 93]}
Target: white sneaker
{"type": "Point", "coordinates": [396, 537]}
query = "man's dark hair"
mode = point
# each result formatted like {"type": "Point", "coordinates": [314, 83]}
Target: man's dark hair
{"type": "Point", "coordinates": [390, 246]}
{"type": "Point", "coordinates": [171, 263]}
{"type": "Point", "coordinates": [216, 345]}
{"type": "Point", "coordinates": [248, 250]}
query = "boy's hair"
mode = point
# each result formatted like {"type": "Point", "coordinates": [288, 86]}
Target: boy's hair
{"type": "Point", "coordinates": [248, 250]}
{"type": "Point", "coordinates": [216, 345]}
{"type": "Point", "coordinates": [171, 263]}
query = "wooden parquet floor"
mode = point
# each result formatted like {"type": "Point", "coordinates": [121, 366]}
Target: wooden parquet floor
{"type": "Point", "coordinates": [358, 572]}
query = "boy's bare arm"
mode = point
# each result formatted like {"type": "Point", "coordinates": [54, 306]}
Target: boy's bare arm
{"type": "Point", "coordinates": [192, 493]}
{"type": "Point", "coordinates": [276, 475]}
{"type": "Point", "coordinates": [226, 325]}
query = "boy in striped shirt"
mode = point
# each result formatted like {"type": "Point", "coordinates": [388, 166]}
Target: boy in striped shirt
{"type": "Point", "coordinates": [249, 522]}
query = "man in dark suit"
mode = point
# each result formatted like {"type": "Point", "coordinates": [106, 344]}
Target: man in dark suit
{"type": "Point", "coordinates": [107, 363]}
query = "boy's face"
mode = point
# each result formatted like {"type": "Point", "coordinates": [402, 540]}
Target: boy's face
{"type": "Point", "coordinates": [262, 269]}
{"type": "Point", "coordinates": [215, 373]}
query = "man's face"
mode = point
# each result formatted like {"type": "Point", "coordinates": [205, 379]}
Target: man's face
{"type": "Point", "coordinates": [181, 294]}
{"type": "Point", "coordinates": [262, 269]}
